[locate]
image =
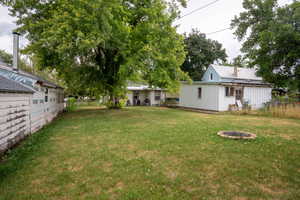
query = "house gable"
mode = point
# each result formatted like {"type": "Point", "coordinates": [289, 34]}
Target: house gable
{"type": "Point", "coordinates": [211, 75]}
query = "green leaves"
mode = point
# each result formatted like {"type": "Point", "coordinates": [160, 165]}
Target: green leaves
{"type": "Point", "coordinates": [101, 44]}
{"type": "Point", "coordinates": [201, 52]}
{"type": "Point", "coordinates": [271, 37]}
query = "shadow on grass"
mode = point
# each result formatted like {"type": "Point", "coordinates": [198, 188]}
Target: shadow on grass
{"type": "Point", "coordinates": [31, 147]}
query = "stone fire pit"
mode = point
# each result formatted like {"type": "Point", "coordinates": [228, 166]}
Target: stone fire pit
{"type": "Point", "coordinates": [236, 135]}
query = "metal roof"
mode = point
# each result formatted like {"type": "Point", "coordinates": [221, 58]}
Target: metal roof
{"type": "Point", "coordinates": [243, 73]}
{"type": "Point", "coordinates": [7, 85]}
{"type": "Point", "coordinates": [25, 78]}
{"type": "Point", "coordinates": [142, 87]}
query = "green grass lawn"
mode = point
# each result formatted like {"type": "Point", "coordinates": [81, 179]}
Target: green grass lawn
{"type": "Point", "coordinates": [154, 153]}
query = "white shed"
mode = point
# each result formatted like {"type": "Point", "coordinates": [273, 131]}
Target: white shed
{"type": "Point", "coordinates": [47, 100]}
{"type": "Point", "coordinates": [14, 112]}
{"type": "Point", "coordinates": [224, 87]}
{"type": "Point", "coordinates": [138, 94]}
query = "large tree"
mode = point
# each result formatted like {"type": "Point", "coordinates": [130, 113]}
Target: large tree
{"type": "Point", "coordinates": [101, 44]}
{"type": "Point", "coordinates": [201, 52]}
{"type": "Point", "coordinates": [271, 37]}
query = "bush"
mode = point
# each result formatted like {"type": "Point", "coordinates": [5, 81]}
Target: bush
{"type": "Point", "coordinates": [116, 104]}
{"type": "Point", "coordinates": [71, 104]}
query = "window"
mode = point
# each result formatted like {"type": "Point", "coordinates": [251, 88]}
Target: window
{"type": "Point", "coordinates": [199, 93]}
{"type": "Point", "coordinates": [46, 95]}
{"type": "Point", "coordinates": [35, 101]}
{"type": "Point", "coordinates": [229, 91]}
{"type": "Point", "coordinates": [211, 76]}
{"type": "Point", "coordinates": [157, 95]}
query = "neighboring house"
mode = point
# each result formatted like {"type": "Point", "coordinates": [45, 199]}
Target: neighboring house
{"type": "Point", "coordinates": [145, 95]}
{"type": "Point", "coordinates": [223, 88]}
{"type": "Point", "coordinates": [14, 112]}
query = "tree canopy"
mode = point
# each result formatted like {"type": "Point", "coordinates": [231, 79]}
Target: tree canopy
{"type": "Point", "coordinates": [99, 45]}
{"type": "Point", "coordinates": [271, 36]}
{"type": "Point", "coordinates": [201, 52]}
{"type": "Point", "coordinates": [6, 57]}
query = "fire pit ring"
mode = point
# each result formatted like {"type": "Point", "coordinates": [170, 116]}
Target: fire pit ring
{"type": "Point", "coordinates": [237, 135]}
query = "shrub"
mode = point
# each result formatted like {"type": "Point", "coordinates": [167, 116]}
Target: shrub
{"type": "Point", "coordinates": [121, 103]}
{"type": "Point", "coordinates": [71, 104]}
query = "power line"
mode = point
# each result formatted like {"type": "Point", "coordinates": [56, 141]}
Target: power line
{"type": "Point", "coordinates": [196, 10]}
{"type": "Point", "coordinates": [218, 31]}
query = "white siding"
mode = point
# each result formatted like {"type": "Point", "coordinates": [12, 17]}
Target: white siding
{"type": "Point", "coordinates": [158, 102]}
{"type": "Point", "coordinates": [14, 118]}
{"type": "Point", "coordinates": [44, 112]}
{"type": "Point", "coordinates": [189, 96]}
{"type": "Point", "coordinates": [224, 101]}
{"type": "Point", "coordinates": [214, 98]}
{"type": "Point", "coordinates": [130, 96]}
{"type": "Point", "coordinates": [147, 93]}
{"type": "Point", "coordinates": [37, 110]}
{"type": "Point", "coordinates": [257, 96]}
{"type": "Point", "coordinates": [207, 75]}
{"type": "Point", "coordinates": [22, 114]}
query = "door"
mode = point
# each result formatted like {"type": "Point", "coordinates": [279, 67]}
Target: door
{"type": "Point", "coordinates": [239, 94]}
{"type": "Point", "coordinates": [136, 98]}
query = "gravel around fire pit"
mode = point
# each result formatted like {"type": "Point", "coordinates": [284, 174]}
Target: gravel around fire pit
{"type": "Point", "coordinates": [236, 135]}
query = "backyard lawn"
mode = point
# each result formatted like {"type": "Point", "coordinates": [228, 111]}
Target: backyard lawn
{"type": "Point", "coordinates": [154, 153]}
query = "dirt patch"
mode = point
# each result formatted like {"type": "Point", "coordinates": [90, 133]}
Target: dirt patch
{"type": "Point", "coordinates": [240, 198]}
{"type": "Point", "coordinates": [118, 186]}
{"type": "Point", "coordinates": [271, 191]}
{"type": "Point", "coordinates": [283, 135]}
{"type": "Point", "coordinates": [171, 174]}
{"type": "Point", "coordinates": [261, 121]}
{"type": "Point", "coordinates": [37, 181]}
{"type": "Point", "coordinates": [107, 167]}
{"type": "Point", "coordinates": [191, 189]}
{"type": "Point", "coordinates": [140, 125]}
{"type": "Point", "coordinates": [283, 122]}
{"type": "Point", "coordinates": [75, 168]}
{"type": "Point", "coordinates": [146, 154]}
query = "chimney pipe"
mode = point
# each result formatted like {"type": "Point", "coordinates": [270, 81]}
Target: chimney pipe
{"type": "Point", "coordinates": [235, 72]}
{"type": "Point", "coordinates": [16, 51]}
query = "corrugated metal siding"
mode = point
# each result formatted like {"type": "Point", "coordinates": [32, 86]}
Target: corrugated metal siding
{"type": "Point", "coordinates": [14, 118]}
{"type": "Point", "coordinates": [257, 96]}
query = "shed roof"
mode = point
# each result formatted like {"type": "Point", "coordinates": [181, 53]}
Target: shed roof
{"type": "Point", "coordinates": [142, 87]}
{"type": "Point", "coordinates": [24, 77]}
{"type": "Point", "coordinates": [243, 73]}
{"type": "Point", "coordinates": [7, 85]}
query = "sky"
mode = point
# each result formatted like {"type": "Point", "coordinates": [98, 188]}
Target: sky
{"type": "Point", "coordinates": [215, 17]}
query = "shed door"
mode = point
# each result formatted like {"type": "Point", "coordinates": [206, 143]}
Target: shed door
{"type": "Point", "coordinates": [239, 94]}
